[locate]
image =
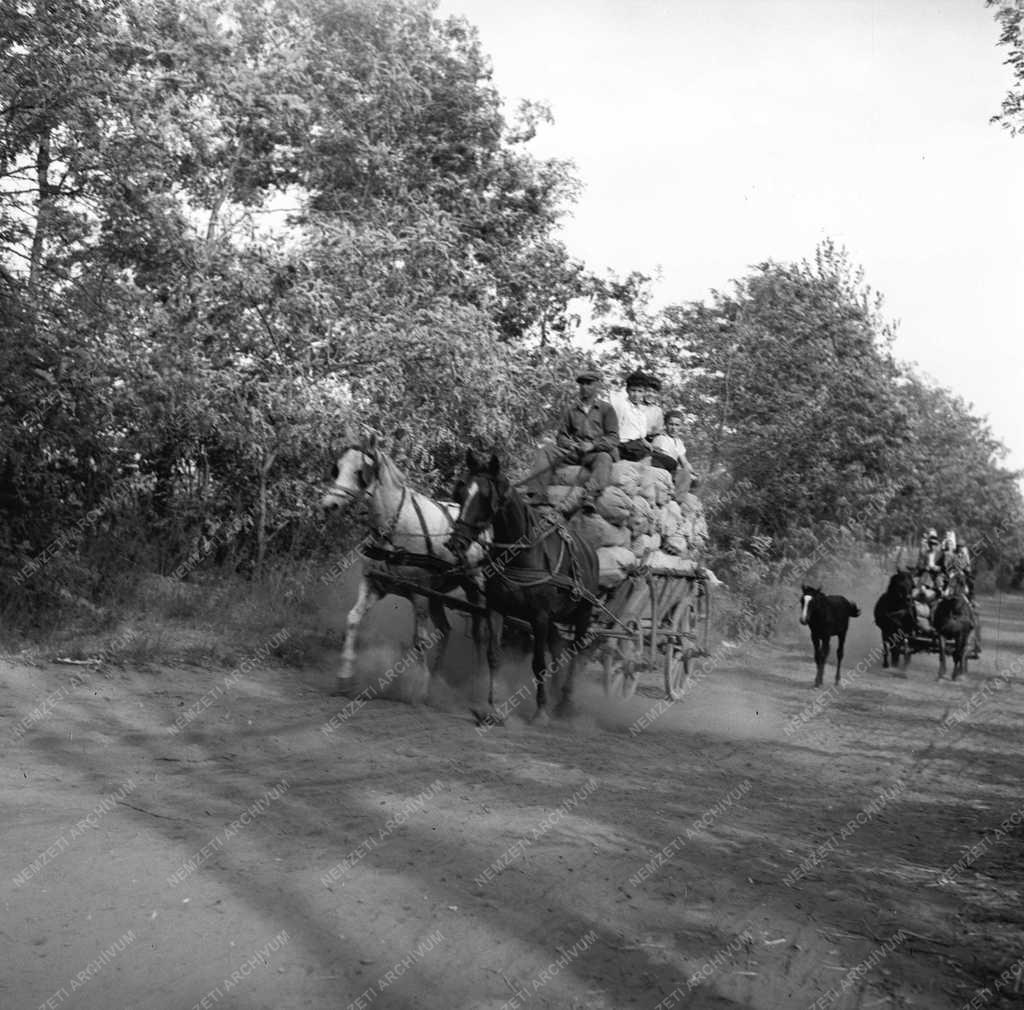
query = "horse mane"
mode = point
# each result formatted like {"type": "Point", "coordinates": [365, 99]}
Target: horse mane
{"type": "Point", "coordinates": [389, 472]}
{"type": "Point", "coordinates": [389, 467]}
{"type": "Point", "coordinates": [901, 581]}
{"type": "Point", "coordinates": [512, 500]}
{"type": "Point", "coordinates": [513, 509]}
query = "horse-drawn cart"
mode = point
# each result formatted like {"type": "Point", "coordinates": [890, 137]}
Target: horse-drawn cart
{"type": "Point", "coordinates": [500, 556]}
{"type": "Point", "coordinates": [924, 618]}
{"type": "Point", "coordinates": [925, 637]}
{"type": "Point", "coordinates": [653, 621]}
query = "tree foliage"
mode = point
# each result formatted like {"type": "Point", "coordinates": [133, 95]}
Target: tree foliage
{"type": "Point", "coordinates": [1010, 17]}
{"type": "Point", "coordinates": [802, 420]}
{"type": "Point", "coordinates": [226, 229]}
{"type": "Point", "coordinates": [229, 229]}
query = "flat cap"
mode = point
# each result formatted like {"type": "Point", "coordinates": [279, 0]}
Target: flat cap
{"type": "Point", "coordinates": [652, 382]}
{"type": "Point", "coordinates": [635, 379]}
{"type": "Point", "coordinates": [588, 375]}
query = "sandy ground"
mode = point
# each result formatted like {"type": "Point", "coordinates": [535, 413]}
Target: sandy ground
{"type": "Point", "coordinates": [274, 848]}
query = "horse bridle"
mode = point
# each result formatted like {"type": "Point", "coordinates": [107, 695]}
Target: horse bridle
{"type": "Point", "coordinates": [365, 476]}
{"type": "Point", "coordinates": [464, 533]}
{"type": "Point", "coordinates": [367, 473]}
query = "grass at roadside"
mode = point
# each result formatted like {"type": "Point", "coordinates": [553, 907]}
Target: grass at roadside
{"type": "Point", "coordinates": [148, 620]}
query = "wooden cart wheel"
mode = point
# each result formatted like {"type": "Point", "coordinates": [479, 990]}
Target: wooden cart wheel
{"type": "Point", "coordinates": [677, 657]}
{"type": "Point", "coordinates": [620, 675]}
{"type": "Point", "coordinates": [677, 669]}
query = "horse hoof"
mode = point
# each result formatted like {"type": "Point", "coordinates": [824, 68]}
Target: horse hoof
{"type": "Point", "coordinates": [485, 717]}
{"type": "Point", "coordinates": [540, 717]}
{"type": "Point", "coordinates": [565, 710]}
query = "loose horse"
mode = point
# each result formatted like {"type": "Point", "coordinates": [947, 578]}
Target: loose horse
{"type": "Point", "coordinates": [953, 619]}
{"type": "Point", "coordinates": [406, 551]}
{"type": "Point", "coordinates": [826, 616]}
{"type": "Point", "coordinates": [895, 618]}
{"type": "Point", "coordinates": [540, 572]}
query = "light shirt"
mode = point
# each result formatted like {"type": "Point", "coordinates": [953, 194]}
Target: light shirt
{"type": "Point", "coordinates": [655, 419]}
{"type": "Point", "coordinates": [674, 448]}
{"type": "Point", "coordinates": [632, 417]}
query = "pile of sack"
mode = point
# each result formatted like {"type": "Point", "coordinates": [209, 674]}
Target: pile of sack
{"type": "Point", "coordinates": [637, 522]}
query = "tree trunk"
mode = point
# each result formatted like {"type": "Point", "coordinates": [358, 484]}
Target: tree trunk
{"type": "Point", "coordinates": [261, 520]}
{"type": "Point", "coordinates": [42, 213]}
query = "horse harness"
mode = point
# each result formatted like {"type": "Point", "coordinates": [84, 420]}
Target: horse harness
{"type": "Point", "coordinates": [531, 578]}
{"type": "Point", "coordinates": [381, 547]}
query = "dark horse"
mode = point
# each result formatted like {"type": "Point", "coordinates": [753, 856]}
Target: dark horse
{"type": "Point", "coordinates": [953, 618]}
{"type": "Point", "coordinates": [539, 572]}
{"type": "Point", "coordinates": [826, 616]}
{"type": "Point", "coordinates": [895, 618]}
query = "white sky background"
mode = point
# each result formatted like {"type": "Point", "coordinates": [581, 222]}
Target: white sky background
{"type": "Point", "coordinates": [711, 135]}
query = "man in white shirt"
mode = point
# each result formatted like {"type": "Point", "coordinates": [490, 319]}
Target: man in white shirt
{"type": "Point", "coordinates": [655, 418]}
{"type": "Point", "coordinates": [633, 423]}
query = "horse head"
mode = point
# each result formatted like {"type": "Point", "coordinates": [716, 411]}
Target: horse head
{"type": "Point", "coordinates": [353, 475]}
{"type": "Point", "coordinates": [480, 494]}
{"type": "Point", "coordinates": [901, 586]}
{"type": "Point", "coordinates": [807, 595]}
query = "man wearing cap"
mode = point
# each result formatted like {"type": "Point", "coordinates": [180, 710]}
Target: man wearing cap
{"type": "Point", "coordinates": [930, 579]}
{"type": "Point", "coordinates": [588, 436]}
{"type": "Point", "coordinates": [633, 425]}
{"type": "Point", "coordinates": [928, 557]}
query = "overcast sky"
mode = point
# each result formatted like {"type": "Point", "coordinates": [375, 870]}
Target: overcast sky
{"type": "Point", "coordinates": [711, 135]}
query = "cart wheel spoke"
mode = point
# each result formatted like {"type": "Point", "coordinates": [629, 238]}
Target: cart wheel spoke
{"type": "Point", "coordinates": [677, 669]}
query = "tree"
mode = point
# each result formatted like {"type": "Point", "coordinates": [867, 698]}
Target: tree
{"type": "Point", "coordinates": [952, 476]}
{"type": "Point", "coordinates": [1010, 17]}
{"type": "Point", "coordinates": [789, 385]}
{"type": "Point", "coordinates": [160, 329]}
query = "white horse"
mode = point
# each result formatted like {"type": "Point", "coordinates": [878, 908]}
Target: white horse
{"type": "Point", "coordinates": [406, 552]}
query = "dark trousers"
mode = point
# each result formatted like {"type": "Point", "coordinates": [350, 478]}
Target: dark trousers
{"type": "Point", "coordinates": [634, 450]}
{"type": "Point", "coordinates": [595, 476]}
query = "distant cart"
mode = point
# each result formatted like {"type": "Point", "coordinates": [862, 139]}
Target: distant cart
{"type": "Point", "coordinates": [925, 639]}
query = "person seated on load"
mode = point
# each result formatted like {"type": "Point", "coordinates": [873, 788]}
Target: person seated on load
{"type": "Point", "coordinates": [634, 443]}
{"type": "Point", "coordinates": [652, 408]}
{"type": "Point", "coordinates": [929, 574]}
{"type": "Point", "coordinates": [957, 558]}
{"type": "Point", "coordinates": [588, 436]}
{"type": "Point", "coordinates": [669, 453]}
{"type": "Point", "coordinates": [961, 561]}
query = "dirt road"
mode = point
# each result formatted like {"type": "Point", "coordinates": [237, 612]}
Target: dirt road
{"type": "Point", "coordinates": [180, 837]}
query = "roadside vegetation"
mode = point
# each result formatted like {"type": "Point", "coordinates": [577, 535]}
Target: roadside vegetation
{"type": "Point", "coordinates": [228, 232]}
